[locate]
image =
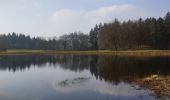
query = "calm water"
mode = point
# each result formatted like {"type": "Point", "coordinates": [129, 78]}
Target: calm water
{"type": "Point", "coordinates": [77, 77]}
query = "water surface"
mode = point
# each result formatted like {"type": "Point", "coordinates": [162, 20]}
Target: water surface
{"type": "Point", "coordinates": [76, 77]}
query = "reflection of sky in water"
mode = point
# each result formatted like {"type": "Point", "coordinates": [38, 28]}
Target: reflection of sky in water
{"type": "Point", "coordinates": [41, 83]}
{"type": "Point", "coordinates": [122, 89]}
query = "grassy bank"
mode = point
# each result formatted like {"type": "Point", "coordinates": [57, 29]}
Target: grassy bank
{"type": "Point", "coordinates": [100, 52]}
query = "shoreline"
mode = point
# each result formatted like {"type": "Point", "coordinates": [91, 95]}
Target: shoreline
{"type": "Point", "coordinates": [159, 85]}
{"type": "Point", "coordinates": [99, 52]}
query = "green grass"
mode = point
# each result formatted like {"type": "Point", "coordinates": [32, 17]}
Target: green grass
{"type": "Point", "coordinates": [100, 52]}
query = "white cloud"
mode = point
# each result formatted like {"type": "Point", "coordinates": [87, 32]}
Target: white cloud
{"type": "Point", "coordinates": [36, 16]}
{"type": "Point", "coordinates": [51, 18]}
{"type": "Point", "coordinates": [66, 20]}
{"type": "Point", "coordinates": [121, 89]}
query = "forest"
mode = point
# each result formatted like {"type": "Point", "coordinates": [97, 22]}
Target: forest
{"type": "Point", "coordinates": [149, 33]}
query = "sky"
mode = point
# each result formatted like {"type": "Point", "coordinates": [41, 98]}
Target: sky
{"type": "Point", "coordinates": [48, 18]}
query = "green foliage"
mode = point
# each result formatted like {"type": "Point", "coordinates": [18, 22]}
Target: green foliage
{"type": "Point", "coordinates": [73, 41]}
{"type": "Point", "coordinates": [150, 33]}
{"type": "Point", "coordinates": [94, 37]}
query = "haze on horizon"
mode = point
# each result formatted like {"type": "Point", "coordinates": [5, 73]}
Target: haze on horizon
{"type": "Point", "coordinates": [57, 17]}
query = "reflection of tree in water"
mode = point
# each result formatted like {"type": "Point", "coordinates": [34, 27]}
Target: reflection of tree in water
{"type": "Point", "coordinates": [108, 68]}
{"type": "Point", "coordinates": [117, 69]}
{"type": "Point", "coordinates": [74, 63]}
{"type": "Point", "coordinates": [22, 62]}
{"type": "Point", "coordinates": [94, 67]}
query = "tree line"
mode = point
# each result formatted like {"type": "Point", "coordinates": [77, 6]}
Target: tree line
{"type": "Point", "coordinates": [72, 41]}
{"type": "Point", "coordinates": [149, 33]}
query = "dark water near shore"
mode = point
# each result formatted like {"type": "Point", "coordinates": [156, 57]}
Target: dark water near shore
{"type": "Point", "coordinates": [76, 77]}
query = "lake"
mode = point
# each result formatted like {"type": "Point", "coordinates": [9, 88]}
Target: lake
{"type": "Point", "coordinates": [78, 77]}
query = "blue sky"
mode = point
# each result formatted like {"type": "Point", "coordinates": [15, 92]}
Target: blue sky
{"type": "Point", "coordinates": [57, 17]}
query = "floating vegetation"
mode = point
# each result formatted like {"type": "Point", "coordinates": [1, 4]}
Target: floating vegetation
{"type": "Point", "coordinates": [69, 82]}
